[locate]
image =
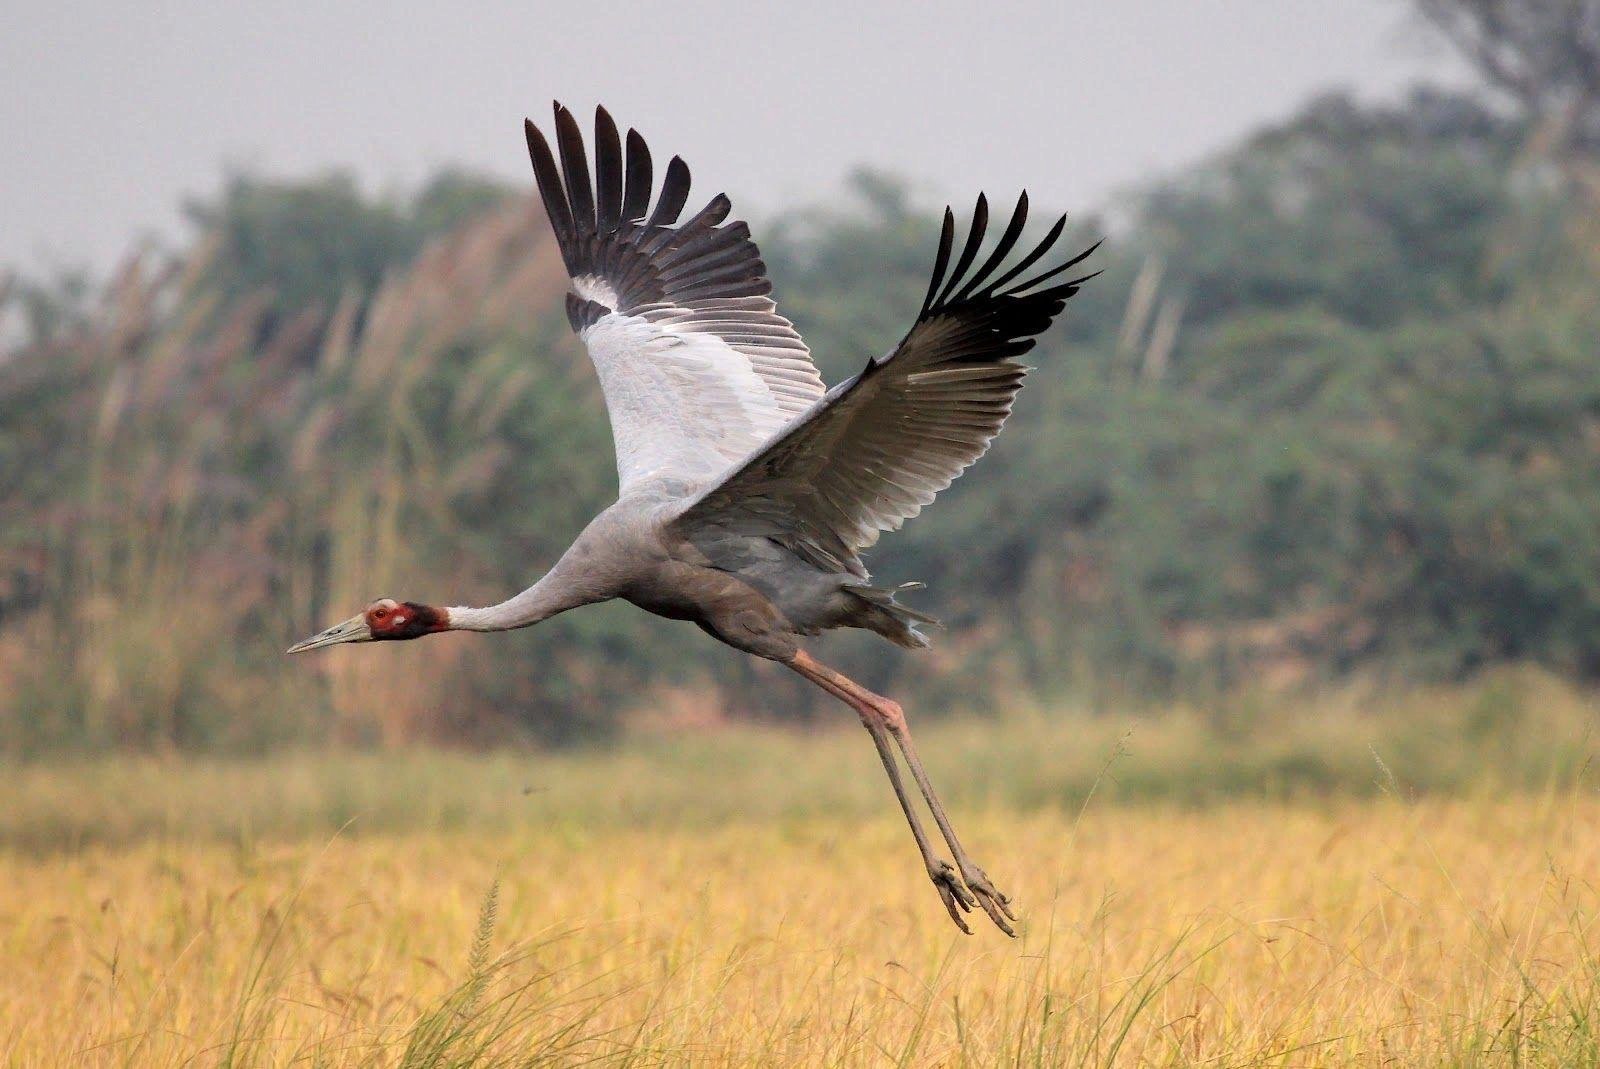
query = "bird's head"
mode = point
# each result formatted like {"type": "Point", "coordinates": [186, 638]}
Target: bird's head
{"type": "Point", "coordinates": [383, 620]}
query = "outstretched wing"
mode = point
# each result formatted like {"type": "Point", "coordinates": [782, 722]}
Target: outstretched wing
{"type": "Point", "coordinates": [879, 446]}
{"type": "Point", "coordinates": [697, 366]}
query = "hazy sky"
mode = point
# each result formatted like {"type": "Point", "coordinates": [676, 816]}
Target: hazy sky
{"type": "Point", "coordinates": [111, 113]}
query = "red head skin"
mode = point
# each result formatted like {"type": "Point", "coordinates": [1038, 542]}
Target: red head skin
{"type": "Point", "coordinates": [393, 621]}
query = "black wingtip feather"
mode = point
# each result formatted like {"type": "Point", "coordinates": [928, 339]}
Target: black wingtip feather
{"type": "Point", "coordinates": [602, 231]}
{"type": "Point", "coordinates": [947, 237]}
{"type": "Point", "coordinates": [674, 194]}
{"type": "Point", "coordinates": [636, 185]}
{"type": "Point", "coordinates": [1002, 248]}
{"type": "Point", "coordinates": [1058, 269]}
{"type": "Point", "coordinates": [607, 172]}
{"type": "Point", "coordinates": [551, 192]}
{"type": "Point", "coordinates": [575, 167]}
{"type": "Point", "coordinates": [969, 251]}
{"type": "Point", "coordinates": [1029, 260]}
{"type": "Point", "coordinates": [997, 320]}
{"type": "Point", "coordinates": [1067, 289]}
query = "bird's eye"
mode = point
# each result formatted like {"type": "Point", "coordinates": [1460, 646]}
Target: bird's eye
{"type": "Point", "coordinates": [380, 613]}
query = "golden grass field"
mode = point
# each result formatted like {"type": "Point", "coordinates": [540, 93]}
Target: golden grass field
{"type": "Point", "coordinates": [537, 909]}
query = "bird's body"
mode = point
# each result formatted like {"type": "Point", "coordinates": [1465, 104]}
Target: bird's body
{"type": "Point", "coordinates": [753, 593]}
{"type": "Point", "coordinates": [742, 589]}
{"type": "Point", "coordinates": [746, 491]}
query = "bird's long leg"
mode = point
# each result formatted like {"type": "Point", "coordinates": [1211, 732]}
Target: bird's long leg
{"type": "Point", "coordinates": [994, 902]}
{"type": "Point", "coordinates": [888, 715]}
{"type": "Point", "coordinates": [957, 899]}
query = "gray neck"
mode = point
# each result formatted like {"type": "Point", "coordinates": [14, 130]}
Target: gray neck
{"type": "Point", "coordinates": [549, 596]}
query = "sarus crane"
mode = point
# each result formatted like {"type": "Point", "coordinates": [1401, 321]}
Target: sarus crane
{"type": "Point", "coordinates": [747, 491]}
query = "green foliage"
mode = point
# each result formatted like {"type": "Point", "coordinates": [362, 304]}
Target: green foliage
{"type": "Point", "coordinates": [308, 243]}
{"type": "Point", "coordinates": [1372, 214]}
{"type": "Point", "coordinates": [1367, 444]}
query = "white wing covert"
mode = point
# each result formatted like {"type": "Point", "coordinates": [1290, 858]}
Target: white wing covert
{"type": "Point", "coordinates": [697, 366]}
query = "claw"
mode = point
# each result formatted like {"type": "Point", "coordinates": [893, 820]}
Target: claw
{"type": "Point", "coordinates": [953, 893]}
{"type": "Point", "coordinates": [993, 901]}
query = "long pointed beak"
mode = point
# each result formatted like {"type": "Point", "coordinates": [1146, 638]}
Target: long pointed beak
{"type": "Point", "coordinates": [354, 629]}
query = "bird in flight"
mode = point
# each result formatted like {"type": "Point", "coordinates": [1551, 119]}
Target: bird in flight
{"type": "Point", "coordinates": [747, 491]}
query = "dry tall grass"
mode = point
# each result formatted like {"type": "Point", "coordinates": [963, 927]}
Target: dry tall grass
{"type": "Point", "coordinates": [751, 898]}
{"type": "Point", "coordinates": [1358, 933]}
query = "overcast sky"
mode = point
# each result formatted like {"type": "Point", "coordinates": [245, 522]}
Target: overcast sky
{"type": "Point", "coordinates": [111, 113]}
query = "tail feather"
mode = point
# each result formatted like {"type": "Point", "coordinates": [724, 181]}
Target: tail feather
{"type": "Point", "coordinates": [894, 621]}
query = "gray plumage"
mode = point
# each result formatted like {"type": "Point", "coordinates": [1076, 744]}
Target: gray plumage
{"type": "Point", "coordinates": [746, 492]}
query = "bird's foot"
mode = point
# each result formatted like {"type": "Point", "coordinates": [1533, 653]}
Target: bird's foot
{"type": "Point", "coordinates": [992, 899]}
{"type": "Point", "coordinates": [957, 899]}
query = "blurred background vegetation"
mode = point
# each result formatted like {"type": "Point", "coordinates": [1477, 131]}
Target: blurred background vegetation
{"type": "Point", "coordinates": [1332, 412]}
